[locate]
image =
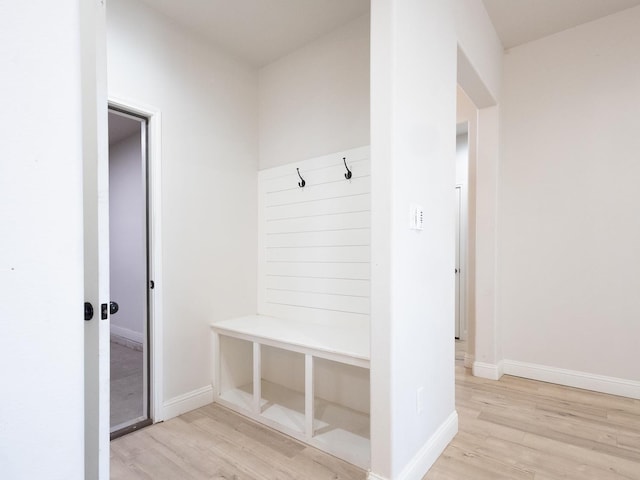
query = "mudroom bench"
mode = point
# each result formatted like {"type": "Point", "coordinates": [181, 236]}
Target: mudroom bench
{"type": "Point", "coordinates": [307, 380]}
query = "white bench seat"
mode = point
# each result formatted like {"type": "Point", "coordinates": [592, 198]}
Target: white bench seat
{"type": "Point", "coordinates": [330, 426]}
{"type": "Point", "coordinates": [345, 344]}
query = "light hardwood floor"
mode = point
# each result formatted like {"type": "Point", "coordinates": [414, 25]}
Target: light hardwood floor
{"type": "Point", "coordinates": [215, 443]}
{"type": "Point", "coordinates": [522, 429]}
{"type": "Point", "coordinates": [509, 430]}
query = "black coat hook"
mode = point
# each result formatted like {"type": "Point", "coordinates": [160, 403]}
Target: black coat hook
{"type": "Point", "coordinates": [301, 183]}
{"type": "Point", "coordinates": [348, 174]}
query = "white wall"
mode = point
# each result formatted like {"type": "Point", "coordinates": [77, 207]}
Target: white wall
{"type": "Point", "coordinates": [315, 100]}
{"type": "Point", "coordinates": [413, 161]}
{"type": "Point", "coordinates": [569, 202]}
{"type": "Point", "coordinates": [41, 264]}
{"type": "Point", "coordinates": [127, 238]}
{"type": "Point", "coordinates": [209, 112]}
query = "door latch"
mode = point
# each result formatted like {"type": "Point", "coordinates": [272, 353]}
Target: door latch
{"type": "Point", "coordinates": [108, 308]}
{"type": "Point", "coordinates": [88, 311]}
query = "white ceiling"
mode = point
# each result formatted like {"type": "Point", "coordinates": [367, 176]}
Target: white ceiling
{"type": "Point", "coordinates": [261, 31]}
{"type": "Point", "coordinates": [521, 21]}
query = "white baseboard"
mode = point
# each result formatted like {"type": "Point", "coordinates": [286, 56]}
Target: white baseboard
{"type": "Point", "coordinates": [572, 378]}
{"type": "Point", "coordinates": [127, 333]}
{"type": "Point", "coordinates": [429, 453]}
{"type": "Point", "coordinates": [422, 461]}
{"type": "Point", "coordinates": [373, 476]}
{"type": "Point", "coordinates": [490, 371]}
{"type": "Point", "coordinates": [187, 402]}
{"type": "Point", "coordinates": [468, 360]}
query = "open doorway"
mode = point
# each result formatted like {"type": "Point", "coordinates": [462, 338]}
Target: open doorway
{"type": "Point", "coordinates": [129, 277]}
{"type": "Point", "coordinates": [461, 237]}
{"type": "Point", "coordinates": [459, 298]}
{"type": "Point", "coordinates": [461, 231]}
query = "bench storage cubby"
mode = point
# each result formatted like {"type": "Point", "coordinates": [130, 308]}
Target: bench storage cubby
{"type": "Point", "coordinates": [308, 381]}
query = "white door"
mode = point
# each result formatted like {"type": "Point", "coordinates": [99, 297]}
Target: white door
{"type": "Point", "coordinates": [457, 266]}
{"type": "Point", "coordinates": [96, 240]}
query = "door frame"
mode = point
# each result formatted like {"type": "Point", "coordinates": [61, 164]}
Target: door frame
{"type": "Point", "coordinates": [459, 302]}
{"type": "Point", "coordinates": [463, 260]}
{"type": "Point", "coordinates": [154, 248]}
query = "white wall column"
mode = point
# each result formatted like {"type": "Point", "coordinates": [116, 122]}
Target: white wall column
{"type": "Point", "coordinates": [413, 70]}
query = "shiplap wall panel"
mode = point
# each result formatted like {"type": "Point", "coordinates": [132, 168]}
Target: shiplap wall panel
{"type": "Point", "coordinates": [357, 271]}
{"type": "Point", "coordinates": [318, 163]}
{"type": "Point", "coordinates": [321, 176]}
{"type": "Point", "coordinates": [318, 315]}
{"type": "Point", "coordinates": [338, 303]}
{"type": "Point", "coordinates": [327, 238]}
{"type": "Point", "coordinates": [314, 242]}
{"type": "Point", "coordinates": [342, 189]}
{"type": "Point", "coordinates": [327, 207]}
{"type": "Point", "coordinates": [320, 223]}
{"type": "Point", "coordinates": [357, 288]}
{"type": "Point", "coordinates": [331, 254]}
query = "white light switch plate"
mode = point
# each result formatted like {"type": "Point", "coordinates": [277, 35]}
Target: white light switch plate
{"type": "Point", "coordinates": [416, 217]}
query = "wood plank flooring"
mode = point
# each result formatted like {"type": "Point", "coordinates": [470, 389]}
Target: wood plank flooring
{"type": "Point", "coordinates": [215, 443]}
{"type": "Point", "coordinates": [523, 429]}
{"type": "Point", "coordinates": [509, 430]}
